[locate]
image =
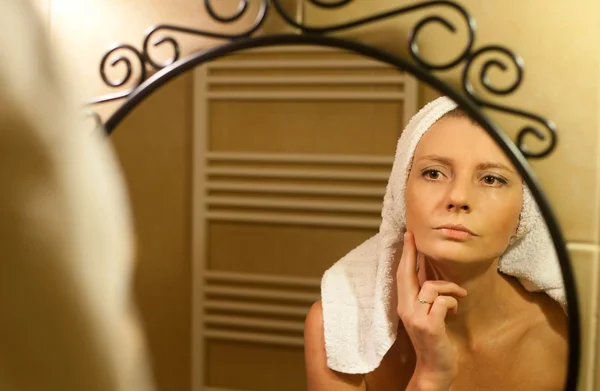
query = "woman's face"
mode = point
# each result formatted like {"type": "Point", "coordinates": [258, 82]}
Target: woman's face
{"type": "Point", "coordinates": [463, 196]}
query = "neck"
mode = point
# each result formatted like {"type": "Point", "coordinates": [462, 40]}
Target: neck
{"type": "Point", "coordinates": [485, 306]}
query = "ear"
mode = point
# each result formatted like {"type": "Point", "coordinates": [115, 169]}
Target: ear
{"type": "Point", "coordinates": [516, 229]}
{"type": "Point", "coordinates": [513, 235]}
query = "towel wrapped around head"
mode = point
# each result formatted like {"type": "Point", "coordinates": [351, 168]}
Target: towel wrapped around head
{"type": "Point", "coordinates": [358, 292]}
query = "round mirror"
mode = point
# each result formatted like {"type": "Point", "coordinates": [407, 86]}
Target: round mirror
{"type": "Point", "coordinates": [256, 166]}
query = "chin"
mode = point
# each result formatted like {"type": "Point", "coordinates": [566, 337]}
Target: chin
{"type": "Point", "coordinates": [449, 251]}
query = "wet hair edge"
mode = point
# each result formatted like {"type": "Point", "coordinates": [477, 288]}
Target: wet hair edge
{"type": "Point", "coordinates": [458, 112]}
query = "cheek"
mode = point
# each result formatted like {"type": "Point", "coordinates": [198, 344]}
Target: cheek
{"type": "Point", "coordinates": [503, 217]}
{"type": "Point", "coordinates": [419, 204]}
{"type": "Point", "coordinates": [414, 203]}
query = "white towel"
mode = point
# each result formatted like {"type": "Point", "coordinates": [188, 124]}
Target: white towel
{"type": "Point", "coordinates": [358, 292]}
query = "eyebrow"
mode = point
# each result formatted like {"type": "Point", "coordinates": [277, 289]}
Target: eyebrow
{"type": "Point", "coordinates": [500, 166]}
{"type": "Point", "coordinates": [481, 166]}
{"type": "Point", "coordinates": [437, 158]}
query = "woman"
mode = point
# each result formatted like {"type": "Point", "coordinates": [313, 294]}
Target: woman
{"type": "Point", "coordinates": [463, 325]}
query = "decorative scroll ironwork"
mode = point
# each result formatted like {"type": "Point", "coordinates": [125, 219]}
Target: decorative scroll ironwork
{"type": "Point", "coordinates": [549, 135]}
{"type": "Point", "coordinates": [128, 65]}
{"type": "Point", "coordinates": [543, 131]}
{"type": "Point", "coordinates": [144, 57]}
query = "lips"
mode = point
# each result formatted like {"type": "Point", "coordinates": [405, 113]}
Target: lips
{"type": "Point", "coordinates": [456, 231]}
{"type": "Point", "coordinates": [456, 227]}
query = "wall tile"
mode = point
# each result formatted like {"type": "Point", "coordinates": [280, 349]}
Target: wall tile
{"type": "Point", "coordinates": [585, 262]}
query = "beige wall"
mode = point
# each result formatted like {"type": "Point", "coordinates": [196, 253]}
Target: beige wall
{"type": "Point", "coordinates": [562, 56]}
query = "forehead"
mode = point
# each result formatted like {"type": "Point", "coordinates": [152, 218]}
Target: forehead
{"type": "Point", "coordinates": [460, 139]}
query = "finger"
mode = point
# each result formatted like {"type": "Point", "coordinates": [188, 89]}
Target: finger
{"type": "Point", "coordinates": [406, 275]}
{"type": "Point", "coordinates": [441, 306]}
{"type": "Point", "coordinates": [433, 288]}
{"type": "Point", "coordinates": [422, 268]}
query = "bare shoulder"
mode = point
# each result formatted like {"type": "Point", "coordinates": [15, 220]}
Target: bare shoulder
{"type": "Point", "coordinates": [551, 329]}
{"type": "Point", "coordinates": [546, 345]}
{"type": "Point", "coordinates": [318, 376]}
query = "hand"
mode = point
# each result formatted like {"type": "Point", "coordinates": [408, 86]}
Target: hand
{"type": "Point", "coordinates": [425, 323]}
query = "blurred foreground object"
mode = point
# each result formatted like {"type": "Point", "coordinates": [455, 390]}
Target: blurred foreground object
{"type": "Point", "coordinates": [67, 321]}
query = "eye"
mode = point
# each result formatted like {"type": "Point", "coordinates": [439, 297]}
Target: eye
{"type": "Point", "coordinates": [489, 180]}
{"type": "Point", "coordinates": [432, 174]}
{"type": "Point", "coordinates": [494, 180]}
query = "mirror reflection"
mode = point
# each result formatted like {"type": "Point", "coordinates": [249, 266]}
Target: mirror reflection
{"type": "Point", "coordinates": [256, 175]}
{"type": "Point", "coordinates": [462, 258]}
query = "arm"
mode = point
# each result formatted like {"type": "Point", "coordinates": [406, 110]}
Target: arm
{"type": "Point", "coordinates": [419, 383]}
{"type": "Point", "coordinates": [319, 376]}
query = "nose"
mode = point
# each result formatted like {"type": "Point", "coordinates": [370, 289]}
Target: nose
{"type": "Point", "coordinates": [459, 206]}
{"type": "Point", "coordinates": [459, 197]}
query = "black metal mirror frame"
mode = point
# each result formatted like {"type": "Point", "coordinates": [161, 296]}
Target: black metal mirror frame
{"type": "Point", "coordinates": [470, 101]}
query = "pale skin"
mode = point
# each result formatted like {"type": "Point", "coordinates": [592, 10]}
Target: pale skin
{"type": "Point", "coordinates": [482, 330]}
